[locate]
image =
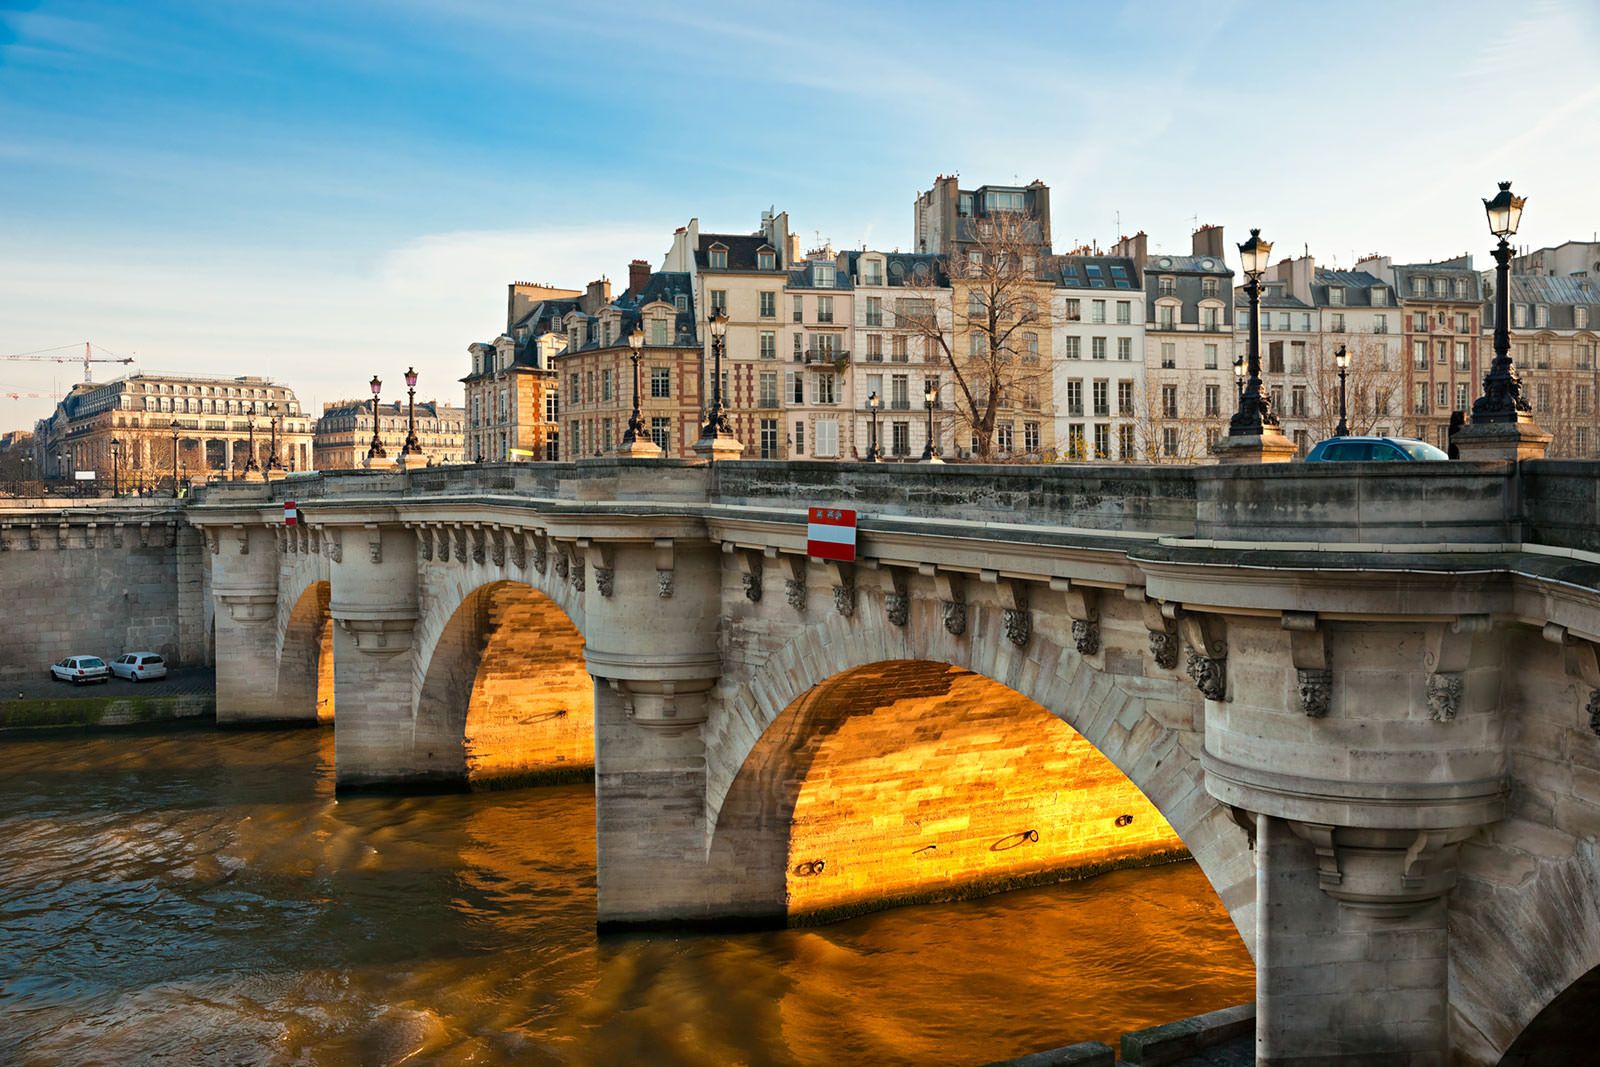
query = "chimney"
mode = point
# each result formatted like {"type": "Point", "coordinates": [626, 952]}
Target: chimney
{"type": "Point", "coordinates": [638, 275]}
{"type": "Point", "coordinates": [1208, 242]}
{"type": "Point", "coordinates": [597, 296]}
{"type": "Point", "coordinates": [1135, 248]}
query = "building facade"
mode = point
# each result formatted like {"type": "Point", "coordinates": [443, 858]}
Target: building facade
{"type": "Point", "coordinates": [1553, 328]}
{"type": "Point", "coordinates": [344, 433]}
{"type": "Point", "coordinates": [1441, 312]}
{"type": "Point", "coordinates": [893, 357]}
{"type": "Point", "coordinates": [512, 399]}
{"type": "Point", "coordinates": [163, 426]}
{"type": "Point", "coordinates": [1098, 336]}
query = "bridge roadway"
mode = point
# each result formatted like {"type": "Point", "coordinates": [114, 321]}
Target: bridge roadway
{"type": "Point", "coordinates": [1366, 698]}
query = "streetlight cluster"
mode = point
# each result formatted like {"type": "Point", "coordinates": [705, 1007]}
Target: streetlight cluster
{"type": "Point", "coordinates": [412, 446]}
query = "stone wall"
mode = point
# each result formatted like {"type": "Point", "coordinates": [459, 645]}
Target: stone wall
{"type": "Point", "coordinates": [101, 580]}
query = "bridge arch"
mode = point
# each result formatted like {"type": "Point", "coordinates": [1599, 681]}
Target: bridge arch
{"type": "Point", "coordinates": [305, 656]}
{"type": "Point", "coordinates": [1144, 727]}
{"type": "Point", "coordinates": [504, 685]}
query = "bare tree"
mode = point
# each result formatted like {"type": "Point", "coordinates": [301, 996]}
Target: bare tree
{"type": "Point", "coordinates": [1173, 426]}
{"type": "Point", "coordinates": [1375, 385]}
{"type": "Point", "coordinates": [998, 310]}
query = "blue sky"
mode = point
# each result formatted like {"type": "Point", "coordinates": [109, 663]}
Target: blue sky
{"type": "Point", "coordinates": [323, 190]}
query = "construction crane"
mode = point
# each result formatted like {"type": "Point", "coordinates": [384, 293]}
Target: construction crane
{"type": "Point", "coordinates": [57, 355]}
{"type": "Point", "coordinates": [7, 395]}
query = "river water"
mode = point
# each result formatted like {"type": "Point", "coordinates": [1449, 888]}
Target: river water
{"type": "Point", "coordinates": [199, 897]}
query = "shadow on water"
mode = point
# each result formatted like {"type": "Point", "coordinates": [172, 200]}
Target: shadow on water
{"type": "Point", "coordinates": [202, 896]}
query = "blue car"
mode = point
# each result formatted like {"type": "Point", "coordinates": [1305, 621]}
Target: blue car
{"type": "Point", "coordinates": [1366, 449]}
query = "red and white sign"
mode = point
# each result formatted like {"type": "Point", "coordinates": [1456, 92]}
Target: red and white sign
{"type": "Point", "coordinates": [289, 513]}
{"type": "Point", "coordinates": [831, 534]}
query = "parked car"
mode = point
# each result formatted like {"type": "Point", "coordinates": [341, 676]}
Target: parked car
{"type": "Point", "coordinates": [139, 666]}
{"type": "Point", "coordinates": [1364, 449]}
{"type": "Point", "coordinates": [81, 669]}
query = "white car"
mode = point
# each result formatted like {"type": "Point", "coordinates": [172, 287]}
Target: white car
{"type": "Point", "coordinates": [80, 669]}
{"type": "Point", "coordinates": [139, 666]}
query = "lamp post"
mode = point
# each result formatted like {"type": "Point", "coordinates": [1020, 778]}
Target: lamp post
{"type": "Point", "coordinates": [1341, 359]}
{"type": "Point", "coordinates": [27, 468]}
{"type": "Point", "coordinates": [411, 447]}
{"type": "Point", "coordinates": [873, 455]}
{"type": "Point", "coordinates": [930, 396]}
{"type": "Point", "coordinates": [716, 416]}
{"type": "Point", "coordinates": [1255, 410]}
{"type": "Point", "coordinates": [1502, 399]}
{"type": "Point", "coordinates": [636, 430]}
{"type": "Point", "coordinates": [272, 426]}
{"type": "Point", "coordinates": [116, 452]}
{"type": "Point", "coordinates": [174, 428]}
{"type": "Point", "coordinates": [1238, 375]}
{"type": "Point", "coordinates": [250, 464]}
{"type": "Point", "coordinates": [376, 450]}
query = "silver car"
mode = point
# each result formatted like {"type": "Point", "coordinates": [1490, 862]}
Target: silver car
{"type": "Point", "coordinates": [139, 666]}
{"type": "Point", "coordinates": [80, 670]}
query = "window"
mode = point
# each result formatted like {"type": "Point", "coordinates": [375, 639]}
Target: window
{"type": "Point", "coordinates": [799, 340]}
{"type": "Point", "coordinates": [871, 272]}
{"type": "Point", "coordinates": [1169, 441]}
{"type": "Point", "coordinates": [768, 389]}
{"type": "Point", "coordinates": [767, 304]}
{"type": "Point", "coordinates": [1030, 395]}
{"type": "Point", "coordinates": [1124, 312]}
{"type": "Point", "coordinates": [874, 311]}
{"type": "Point", "coordinates": [1519, 314]}
{"type": "Point", "coordinates": [1102, 440]}
{"type": "Point", "coordinates": [874, 348]}
{"type": "Point", "coordinates": [1420, 398]}
{"type": "Point", "coordinates": [823, 275]}
{"type": "Point", "coordinates": [1541, 315]}
{"type": "Point", "coordinates": [1337, 323]}
{"type": "Point", "coordinates": [1102, 397]}
{"type": "Point", "coordinates": [977, 345]}
{"type": "Point", "coordinates": [1211, 357]}
{"type": "Point", "coordinates": [1419, 355]}
{"type": "Point", "coordinates": [794, 387]}
{"type": "Point", "coordinates": [900, 438]}
{"type": "Point", "coordinates": [824, 309]}
{"type": "Point", "coordinates": [1297, 401]}
{"type": "Point", "coordinates": [1461, 397]}
{"type": "Point", "coordinates": [660, 383]}
{"type": "Point", "coordinates": [1580, 399]}
{"type": "Point", "coordinates": [658, 331]}
{"type": "Point", "coordinates": [1097, 311]}
{"type": "Point", "coordinates": [1444, 351]}
{"type": "Point", "coordinates": [574, 390]}
{"type": "Point", "coordinates": [1169, 355]}
{"type": "Point", "coordinates": [769, 345]}
{"type": "Point", "coordinates": [1275, 357]}
{"type": "Point", "coordinates": [1543, 392]}
{"type": "Point", "coordinates": [1461, 288]}
{"type": "Point", "coordinates": [719, 259]}
{"type": "Point", "coordinates": [1444, 396]}
{"type": "Point", "coordinates": [681, 301]}
{"type": "Point", "coordinates": [1074, 398]}
{"type": "Point", "coordinates": [719, 300]}
{"type": "Point", "coordinates": [1030, 348]}
{"type": "Point", "coordinates": [1125, 397]}
{"type": "Point", "coordinates": [1003, 440]}
{"type": "Point", "coordinates": [766, 260]}
{"type": "Point", "coordinates": [827, 437]}
{"type": "Point", "coordinates": [1097, 348]}
{"type": "Point", "coordinates": [1213, 404]}
{"type": "Point", "coordinates": [1125, 348]}
{"type": "Point", "coordinates": [1380, 324]}
{"type": "Point", "coordinates": [661, 433]}
{"type": "Point", "coordinates": [1463, 356]}
{"type": "Point", "coordinates": [1419, 321]}
{"type": "Point", "coordinates": [1125, 449]}
{"type": "Point", "coordinates": [1335, 296]}
{"type": "Point", "coordinates": [1165, 315]}
{"type": "Point", "coordinates": [898, 351]}
{"type": "Point", "coordinates": [1580, 317]}
{"type": "Point", "coordinates": [1074, 350]}
{"type": "Point", "coordinates": [799, 437]}
{"type": "Point", "coordinates": [1169, 401]}
{"type": "Point", "coordinates": [1166, 286]}
{"type": "Point", "coordinates": [605, 385]}
{"type": "Point", "coordinates": [1297, 357]}
{"type": "Point", "coordinates": [769, 438]}
{"type": "Point", "coordinates": [1073, 314]}
{"type": "Point", "coordinates": [822, 391]}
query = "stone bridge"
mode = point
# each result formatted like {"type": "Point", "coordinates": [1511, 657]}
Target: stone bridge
{"type": "Point", "coordinates": [1365, 698]}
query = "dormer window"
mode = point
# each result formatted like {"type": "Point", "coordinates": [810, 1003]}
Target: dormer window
{"type": "Point", "coordinates": [823, 275]}
{"type": "Point", "coordinates": [1461, 288]}
{"type": "Point", "coordinates": [1335, 296]}
{"type": "Point", "coordinates": [1166, 285]}
{"type": "Point", "coordinates": [1541, 315]}
{"type": "Point", "coordinates": [1580, 317]}
{"type": "Point", "coordinates": [681, 301]}
{"type": "Point", "coordinates": [719, 258]}
{"type": "Point", "coordinates": [1379, 297]}
{"type": "Point", "coordinates": [658, 331]}
{"type": "Point", "coordinates": [1419, 287]}
{"type": "Point", "coordinates": [766, 260]}
{"type": "Point", "coordinates": [872, 272]}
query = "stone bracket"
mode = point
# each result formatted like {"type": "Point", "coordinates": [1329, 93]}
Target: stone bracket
{"type": "Point", "coordinates": [668, 706]}
{"type": "Point", "coordinates": [794, 586]}
{"type": "Point", "coordinates": [1163, 631]}
{"type": "Point", "coordinates": [374, 541]}
{"type": "Point", "coordinates": [1015, 611]}
{"type": "Point", "coordinates": [1308, 648]}
{"type": "Point", "coordinates": [1448, 654]}
{"type": "Point", "coordinates": [664, 564]}
{"type": "Point", "coordinates": [382, 637]}
{"type": "Point", "coordinates": [951, 589]}
{"type": "Point", "coordinates": [601, 560]}
{"type": "Point", "coordinates": [1207, 664]}
{"type": "Point", "coordinates": [1582, 664]}
{"type": "Point", "coordinates": [250, 607]}
{"type": "Point", "coordinates": [1386, 873]}
{"type": "Point", "coordinates": [896, 601]}
{"type": "Point", "coordinates": [497, 546]}
{"type": "Point", "coordinates": [243, 534]}
{"type": "Point", "coordinates": [844, 586]}
{"type": "Point", "coordinates": [750, 566]}
{"type": "Point", "coordinates": [1083, 609]}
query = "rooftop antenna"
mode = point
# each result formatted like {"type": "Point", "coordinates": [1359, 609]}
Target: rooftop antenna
{"type": "Point", "coordinates": [1119, 225]}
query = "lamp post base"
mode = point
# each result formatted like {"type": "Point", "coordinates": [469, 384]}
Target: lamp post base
{"type": "Point", "coordinates": [641, 448]}
{"type": "Point", "coordinates": [719, 446]}
{"type": "Point", "coordinates": [932, 457]}
{"type": "Point", "coordinates": [1500, 442]}
{"type": "Point", "coordinates": [1269, 446]}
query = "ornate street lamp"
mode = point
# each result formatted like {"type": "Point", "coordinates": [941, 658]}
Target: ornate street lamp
{"type": "Point", "coordinates": [250, 423]}
{"type": "Point", "coordinates": [1341, 359]}
{"type": "Point", "coordinates": [716, 416]}
{"type": "Point", "coordinates": [636, 430]}
{"type": "Point", "coordinates": [930, 396]}
{"type": "Point", "coordinates": [116, 452]}
{"type": "Point", "coordinates": [273, 415]}
{"type": "Point", "coordinates": [873, 455]}
{"type": "Point", "coordinates": [174, 428]}
{"type": "Point", "coordinates": [376, 450]}
{"type": "Point", "coordinates": [1255, 410]}
{"type": "Point", "coordinates": [411, 447]}
{"type": "Point", "coordinates": [1502, 399]}
{"type": "Point", "coordinates": [1238, 375]}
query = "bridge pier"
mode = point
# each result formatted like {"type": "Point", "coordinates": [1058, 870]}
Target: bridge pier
{"type": "Point", "coordinates": [244, 582]}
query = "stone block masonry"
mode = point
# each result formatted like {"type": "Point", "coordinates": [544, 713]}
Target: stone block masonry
{"type": "Point", "coordinates": [101, 581]}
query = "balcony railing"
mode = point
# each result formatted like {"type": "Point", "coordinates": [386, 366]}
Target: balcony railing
{"type": "Point", "coordinates": [828, 356]}
{"type": "Point", "coordinates": [874, 319]}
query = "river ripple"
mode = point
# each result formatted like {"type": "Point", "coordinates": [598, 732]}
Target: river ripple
{"type": "Point", "coordinates": [199, 897]}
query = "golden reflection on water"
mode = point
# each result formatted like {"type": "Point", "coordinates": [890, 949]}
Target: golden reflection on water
{"type": "Point", "coordinates": [200, 897]}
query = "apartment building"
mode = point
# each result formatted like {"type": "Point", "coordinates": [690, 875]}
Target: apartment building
{"type": "Point", "coordinates": [512, 398]}
{"type": "Point", "coordinates": [946, 218]}
{"type": "Point", "coordinates": [343, 435]}
{"type": "Point", "coordinates": [1573, 259]}
{"type": "Point", "coordinates": [894, 294]}
{"type": "Point", "coordinates": [744, 276]}
{"type": "Point", "coordinates": [1441, 314]}
{"type": "Point", "coordinates": [1553, 330]}
{"type": "Point", "coordinates": [1190, 386]}
{"type": "Point", "coordinates": [819, 397]}
{"type": "Point", "coordinates": [1098, 336]}
{"type": "Point", "coordinates": [594, 369]}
